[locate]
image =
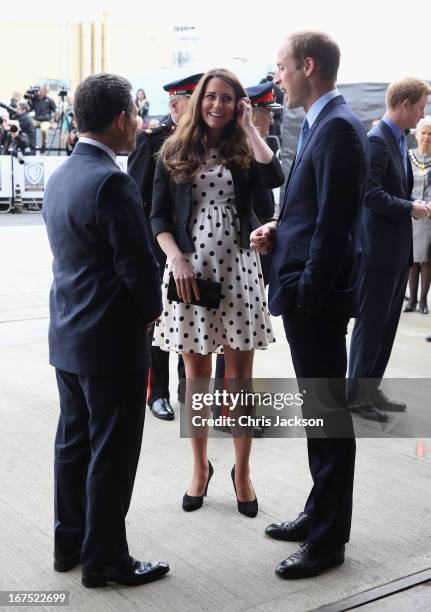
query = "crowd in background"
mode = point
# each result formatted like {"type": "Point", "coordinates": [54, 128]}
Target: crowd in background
{"type": "Point", "coordinates": [26, 113]}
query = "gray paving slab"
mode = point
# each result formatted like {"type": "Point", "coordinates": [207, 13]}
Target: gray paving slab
{"type": "Point", "coordinates": [220, 560]}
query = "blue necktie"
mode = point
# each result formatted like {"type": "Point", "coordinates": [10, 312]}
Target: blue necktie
{"type": "Point", "coordinates": [404, 152]}
{"type": "Point", "coordinates": [303, 135]}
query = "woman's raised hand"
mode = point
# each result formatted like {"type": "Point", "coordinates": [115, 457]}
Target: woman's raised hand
{"type": "Point", "coordinates": [244, 116]}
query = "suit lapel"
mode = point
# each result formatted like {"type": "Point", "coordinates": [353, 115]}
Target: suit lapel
{"type": "Point", "coordinates": [286, 186]}
{"type": "Point", "coordinates": [331, 104]}
{"type": "Point", "coordinates": [396, 151]}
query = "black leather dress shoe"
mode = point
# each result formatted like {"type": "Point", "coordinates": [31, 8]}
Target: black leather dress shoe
{"type": "Point", "coordinates": [410, 307]}
{"type": "Point", "coordinates": [382, 401]}
{"type": "Point", "coordinates": [65, 563]}
{"type": "Point", "coordinates": [428, 338]}
{"type": "Point", "coordinates": [162, 409]}
{"type": "Point", "coordinates": [140, 573]}
{"type": "Point", "coordinates": [291, 531]}
{"type": "Point", "coordinates": [369, 411]}
{"type": "Point", "coordinates": [308, 561]}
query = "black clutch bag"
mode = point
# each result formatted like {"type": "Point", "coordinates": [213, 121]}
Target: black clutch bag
{"type": "Point", "coordinates": [209, 292]}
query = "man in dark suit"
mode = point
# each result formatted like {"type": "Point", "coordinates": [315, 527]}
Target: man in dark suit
{"type": "Point", "coordinates": [104, 298]}
{"type": "Point", "coordinates": [142, 166]}
{"type": "Point", "coordinates": [314, 285]}
{"type": "Point", "coordinates": [387, 247]}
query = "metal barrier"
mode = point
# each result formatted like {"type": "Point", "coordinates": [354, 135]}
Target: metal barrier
{"type": "Point", "coordinates": [29, 179]}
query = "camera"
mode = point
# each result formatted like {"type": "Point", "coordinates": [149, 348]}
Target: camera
{"type": "Point", "coordinates": [10, 110]}
{"type": "Point", "coordinates": [62, 93]}
{"type": "Point", "coordinates": [32, 92]}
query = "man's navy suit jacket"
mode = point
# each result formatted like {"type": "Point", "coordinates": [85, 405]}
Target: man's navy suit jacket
{"type": "Point", "coordinates": [316, 258]}
{"type": "Point", "coordinates": [106, 285]}
{"type": "Point", "coordinates": [387, 223]}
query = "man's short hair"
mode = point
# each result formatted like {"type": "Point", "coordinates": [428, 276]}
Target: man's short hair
{"type": "Point", "coordinates": [24, 106]}
{"type": "Point", "coordinates": [407, 89]}
{"type": "Point", "coordinates": [321, 48]}
{"type": "Point", "coordinates": [99, 98]}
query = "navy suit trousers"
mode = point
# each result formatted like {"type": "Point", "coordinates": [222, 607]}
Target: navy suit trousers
{"type": "Point", "coordinates": [382, 296]}
{"type": "Point", "coordinates": [318, 348]}
{"type": "Point", "coordinates": [97, 448]}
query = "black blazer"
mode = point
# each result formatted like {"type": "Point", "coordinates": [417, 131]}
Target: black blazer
{"type": "Point", "coordinates": [316, 258]}
{"type": "Point", "coordinates": [106, 285]}
{"type": "Point", "coordinates": [172, 201]}
{"type": "Point", "coordinates": [263, 203]}
{"type": "Point", "coordinates": [141, 164]}
{"type": "Point", "coordinates": [386, 220]}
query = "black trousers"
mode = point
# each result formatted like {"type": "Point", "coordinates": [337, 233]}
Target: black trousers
{"type": "Point", "coordinates": [97, 449]}
{"type": "Point", "coordinates": [318, 349]}
{"type": "Point", "coordinates": [382, 296]}
{"type": "Point", "coordinates": [159, 374]}
{"type": "Point", "coordinates": [159, 368]}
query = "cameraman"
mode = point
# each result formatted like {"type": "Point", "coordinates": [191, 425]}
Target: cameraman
{"type": "Point", "coordinates": [64, 116]}
{"type": "Point", "coordinates": [21, 112]}
{"type": "Point", "coordinates": [16, 142]}
{"type": "Point", "coordinates": [43, 107]}
{"type": "Point", "coordinates": [26, 123]}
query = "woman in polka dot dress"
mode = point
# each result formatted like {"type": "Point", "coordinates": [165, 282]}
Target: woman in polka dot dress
{"type": "Point", "coordinates": [202, 219]}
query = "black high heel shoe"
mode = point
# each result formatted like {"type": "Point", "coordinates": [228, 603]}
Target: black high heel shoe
{"type": "Point", "coordinates": [194, 502]}
{"type": "Point", "coordinates": [248, 508]}
{"type": "Point", "coordinates": [423, 308]}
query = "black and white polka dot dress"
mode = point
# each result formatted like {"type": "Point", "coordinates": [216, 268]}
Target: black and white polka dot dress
{"type": "Point", "coordinates": [242, 320]}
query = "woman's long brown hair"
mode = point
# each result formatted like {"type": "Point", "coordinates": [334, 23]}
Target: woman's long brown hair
{"type": "Point", "coordinates": [184, 152]}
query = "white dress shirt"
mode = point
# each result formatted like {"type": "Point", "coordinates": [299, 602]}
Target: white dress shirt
{"type": "Point", "coordinates": [100, 145]}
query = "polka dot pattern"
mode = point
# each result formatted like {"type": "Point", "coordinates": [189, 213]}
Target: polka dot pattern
{"type": "Point", "coordinates": [242, 321]}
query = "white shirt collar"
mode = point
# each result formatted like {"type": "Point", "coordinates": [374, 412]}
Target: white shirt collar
{"type": "Point", "coordinates": [100, 145]}
{"type": "Point", "coordinates": [316, 108]}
